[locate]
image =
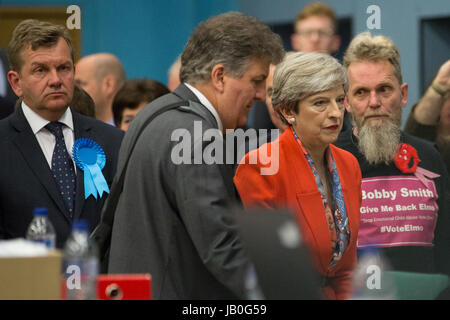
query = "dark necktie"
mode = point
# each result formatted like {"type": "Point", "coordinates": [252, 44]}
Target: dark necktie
{"type": "Point", "coordinates": [62, 167]}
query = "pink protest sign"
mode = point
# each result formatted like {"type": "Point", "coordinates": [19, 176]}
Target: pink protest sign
{"type": "Point", "coordinates": [397, 211]}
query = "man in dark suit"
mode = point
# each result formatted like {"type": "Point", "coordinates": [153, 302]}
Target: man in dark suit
{"type": "Point", "coordinates": [6, 107]}
{"type": "Point", "coordinates": [5, 88]}
{"type": "Point", "coordinates": [42, 129]}
{"type": "Point", "coordinates": [7, 96]}
{"type": "Point", "coordinates": [174, 217]}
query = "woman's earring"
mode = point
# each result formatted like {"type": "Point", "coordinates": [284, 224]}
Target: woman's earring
{"type": "Point", "coordinates": [292, 120]}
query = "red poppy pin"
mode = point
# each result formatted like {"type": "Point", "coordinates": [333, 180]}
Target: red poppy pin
{"type": "Point", "coordinates": [403, 158]}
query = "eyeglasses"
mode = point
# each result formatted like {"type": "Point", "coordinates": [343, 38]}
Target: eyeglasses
{"type": "Point", "coordinates": [320, 33]}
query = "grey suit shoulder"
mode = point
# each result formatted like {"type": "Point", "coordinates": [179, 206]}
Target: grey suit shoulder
{"type": "Point", "coordinates": [176, 221]}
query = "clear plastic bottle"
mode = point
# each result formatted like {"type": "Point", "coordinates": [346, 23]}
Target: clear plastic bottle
{"type": "Point", "coordinates": [80, 267]}
{"type": "Point", "coordinates": [41, 229]}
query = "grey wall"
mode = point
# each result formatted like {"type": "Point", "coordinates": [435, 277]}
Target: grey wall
{"type": "Point", "coordinates": [400, 20]}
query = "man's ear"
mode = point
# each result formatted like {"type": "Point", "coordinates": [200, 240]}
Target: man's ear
{"type": "Point", "coordinates": [335, 43]}
{"type": "Point", "coordinates": [14, 81]}
{"type": "Point", "coordinates": [404, 93]}
{"type": "Point", "coordinates": [347, 104]}
{"type": "Point", "coordinates": [109, 85]}
{"type": "Point", "coordinates": [218, 77]}
{"type": "Point", "coordinates": [294, 42]}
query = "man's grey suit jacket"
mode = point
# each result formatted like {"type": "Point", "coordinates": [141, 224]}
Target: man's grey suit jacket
{"type": "Point", "coordinates": [175, 221]}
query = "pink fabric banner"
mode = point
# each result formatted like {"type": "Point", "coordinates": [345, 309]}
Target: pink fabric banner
{"type": "Point", "coordinates": [397, 211]}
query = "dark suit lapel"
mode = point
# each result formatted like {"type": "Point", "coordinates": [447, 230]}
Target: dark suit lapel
{"type": "Point", "coordinates": [27, 144]}
{"type": "Point", "coordinates": [82, 130]}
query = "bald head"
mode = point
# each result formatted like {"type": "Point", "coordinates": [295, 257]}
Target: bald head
{"type": "Point", "coordinates": [174, 74]}
{"type": "Point", "coordinates": [103, 64]}
{"type": "Point", "coordinates": [101, 75]}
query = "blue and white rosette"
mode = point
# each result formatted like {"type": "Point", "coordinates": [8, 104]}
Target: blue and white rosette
{"type": "Point", "coordinates": [90, 158]}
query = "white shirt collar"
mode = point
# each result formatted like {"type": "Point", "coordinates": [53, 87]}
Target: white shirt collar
{"type": "Point", "coordinates": [207, 104]}
{"type": "Point", "coordinates": [36, 122]}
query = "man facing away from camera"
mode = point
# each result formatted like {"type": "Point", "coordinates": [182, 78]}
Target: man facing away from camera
{"type": "Point", "coordinates": [174, 219]}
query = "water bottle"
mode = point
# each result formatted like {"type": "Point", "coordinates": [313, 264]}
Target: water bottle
{"type": "Point", "coordinates": [80, 267]}
{"type": "Point", "coordinates": [40, 229]}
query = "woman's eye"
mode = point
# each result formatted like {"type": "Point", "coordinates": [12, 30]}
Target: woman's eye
{"type": "Point", "coordinates": [320, 103]}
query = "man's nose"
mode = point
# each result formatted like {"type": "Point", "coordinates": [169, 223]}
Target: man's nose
{"type": "Point", "coordinates": [315, 36]}
{"type": "Point", "coordinates": [260, 93]}
{"type": "Point", "coordinates": [374, 101]}
{"type": "Point", "coordinates": [54, 78]}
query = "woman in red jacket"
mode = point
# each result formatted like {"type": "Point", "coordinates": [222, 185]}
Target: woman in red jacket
{"type": "Point", "coordinates": [304, 172]}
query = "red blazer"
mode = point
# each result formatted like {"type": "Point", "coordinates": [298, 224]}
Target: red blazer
{"type": "Point", "coordinates": [293, 186]}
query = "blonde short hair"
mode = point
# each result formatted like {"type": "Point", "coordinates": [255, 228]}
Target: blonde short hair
{"type": "Point", "coordinates": [317, 9]}
{"type": "Point", "coordinates": [365, 47]}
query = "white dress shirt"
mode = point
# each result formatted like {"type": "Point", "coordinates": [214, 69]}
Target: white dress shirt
{"type": "Point", "coordinates": [45, 138]}
{"type": "Point", "coordinates": [207, 104]}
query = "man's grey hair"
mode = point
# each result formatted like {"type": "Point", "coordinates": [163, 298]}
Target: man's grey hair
{"type": "Point", "coordinates": [232, 39]}
{"type": "Point", "coordinates": [303, 74]}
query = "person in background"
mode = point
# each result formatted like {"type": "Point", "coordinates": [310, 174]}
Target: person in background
{"type": "Point", "coordinates": [82, 102]}
{"type": "Point", "coordinates": [315, 30]}
{"type": "Point", "coordinates": [134, 95]}
{"type": "Point", "coordinates": [405, 208]}
{"type": "Point", "coordinates": [7, 96]}
{"type": "Point", "coordinates": [175, 219]}
{"type": "Point", "coordinates": [274, 116]}
{"type": "Point", "coordinates": [101, 75]}
{"type": "Point", "coordinates": [430, 118]}
{"type": "Point", "coordinates": [5, 89]}
{"type": "Point", "coordinates": [174, 74]}
{"type": "Point", "coordinates": [38, 166]}
{"type": "Point", "coordinates": [317, 181]}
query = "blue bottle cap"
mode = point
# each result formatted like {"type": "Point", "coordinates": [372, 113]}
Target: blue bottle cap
{"type": "Point", "coordinates": [40, 212]}
{"type": "Point", "coordinates": [81, 225]}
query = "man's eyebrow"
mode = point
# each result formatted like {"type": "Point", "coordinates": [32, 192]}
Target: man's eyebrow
{"type": "Point", "coordinates": [358, 87]}
{"type": "Point", "coordinates": [260, 76]}
{"type": "Point", "coordinates": [37, 64]}
{"type": "Point", "coordinates": [384, 83]}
